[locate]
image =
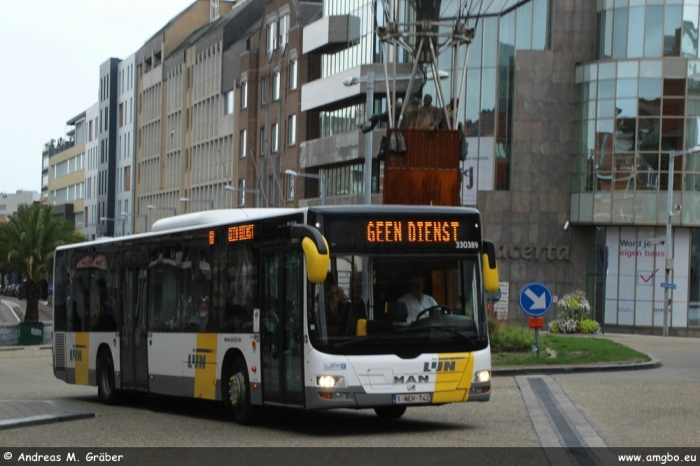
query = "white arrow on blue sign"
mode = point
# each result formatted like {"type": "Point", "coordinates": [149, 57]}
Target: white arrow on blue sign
{"type": "Point", "coordinates": [535, 299]}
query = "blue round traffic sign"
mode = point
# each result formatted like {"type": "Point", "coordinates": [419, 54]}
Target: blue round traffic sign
{"type": "Point", "coordinates": [535, 299]}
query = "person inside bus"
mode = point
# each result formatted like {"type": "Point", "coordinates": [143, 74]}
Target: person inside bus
{"type": "Point", "coordinates": [108, 318]}
{"type": "Point", "coordinates": [334, 295]}
{"type": "Point", "coordinates": [416, 301]}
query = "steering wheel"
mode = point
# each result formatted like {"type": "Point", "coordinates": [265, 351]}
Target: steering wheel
{"type": "Point", "coordinates": [434, 311]}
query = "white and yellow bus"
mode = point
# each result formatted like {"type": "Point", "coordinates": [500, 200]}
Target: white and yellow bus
{"type": "Point", "coordinates": [307, 308]}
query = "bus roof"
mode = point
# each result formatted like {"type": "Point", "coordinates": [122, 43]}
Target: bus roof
{"type": "Point", "coordinates": [399, 209]}
{"type": "Point", "coordinates": [213, 218]}
{"type": "Point", "coordinates": [193, 221]}
{"type": "Point", "coordinates": [217, 217]}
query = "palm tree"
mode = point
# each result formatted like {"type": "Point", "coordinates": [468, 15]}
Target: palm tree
{"type": "Point", "coordinates": [28, 243]}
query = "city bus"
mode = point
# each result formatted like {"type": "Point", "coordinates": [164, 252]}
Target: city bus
{"type": "Point", "coordinates": [298, 307]}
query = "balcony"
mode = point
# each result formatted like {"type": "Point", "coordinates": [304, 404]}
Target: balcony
{"type": "Point", "coordinates": [339, 148]}
{"type": "Point", "coordinates": [332, 34]}
{"type": "Point", "coordinates": [330, 92]}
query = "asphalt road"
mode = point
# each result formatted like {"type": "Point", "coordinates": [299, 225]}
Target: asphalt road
{"type": "Point", "coordinates": [656, 408]}
{"type": "Point", "coordinates": [12, 310]}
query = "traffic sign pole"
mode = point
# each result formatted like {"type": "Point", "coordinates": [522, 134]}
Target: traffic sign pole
{"type": "Point", "coordinates": [535, 300]}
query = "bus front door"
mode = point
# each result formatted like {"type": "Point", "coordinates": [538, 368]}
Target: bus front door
{"type": "Point", "coordinates": [282, 327]}
{"type": "Point", "coordinates": [134, 336]}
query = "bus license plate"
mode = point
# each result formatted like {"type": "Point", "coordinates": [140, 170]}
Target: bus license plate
{"type": "Point", "coordinates": [413, 398]}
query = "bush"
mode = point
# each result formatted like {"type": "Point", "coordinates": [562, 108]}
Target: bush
{"type": "Point", "coordinates": [505, 337]}
{"type": "Point", "coordinates": [575, 306]}
{"type": "Point", "coordinates": [589, 326]}
{"type": "Point", "coordinates": [553, 326]}
{"type": "Point", "coordinates": [568, 325]}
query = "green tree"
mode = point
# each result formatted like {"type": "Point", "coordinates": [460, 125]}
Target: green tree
{"type": "Point", "coordinates": [27, 245]}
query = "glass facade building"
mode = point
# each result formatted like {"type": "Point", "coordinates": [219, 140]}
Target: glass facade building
{"type": "Point", "coordinates": [638, 101]}
{"type": "Point", "coordinates": [501, 28]}
{"type": "Point", "coordinates": [571, 113]}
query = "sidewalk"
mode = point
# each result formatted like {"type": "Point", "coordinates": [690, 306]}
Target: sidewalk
{"type": "Point", "coordinates": [31, 413]}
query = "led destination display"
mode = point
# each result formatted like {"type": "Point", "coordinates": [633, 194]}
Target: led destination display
{"type": "Point", "coordinates": [445, 233]}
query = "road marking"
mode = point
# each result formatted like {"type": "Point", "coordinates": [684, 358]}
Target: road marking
{"type": "Point", "coordinates": [563, 431]}
{"type": "Point", "coordinates": [11, 308]}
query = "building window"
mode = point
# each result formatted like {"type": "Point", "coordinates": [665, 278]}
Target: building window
{"type": "Point", "coordinates": [292, 130]}
{"type": "Point", "coordinates": [271, 37]}
{"type": "Point", "coordinates": [290, 187]}
{"type": "Point", "coordinates": [229, 103]}
{"type": "Point", "coordinates": [284, 30]}
{"type": "Point", "coordinates": [292, 74]}
{"type": "Point", "coordinates": [274, 138]}
{"type": "Point", "coordinates": [127, 178]}
{"type": "Point", "coordinates": [272, 192]}
{"type": "Point", "coordinates": [244, 94]}
{"type": "Point", "coordinates": [262, 140]}
{"type": "Point", "coordinates": [276, 85]}
{"type": "Point", "coordinates": [242, 144]}
{"type": "Point", "coordinates": [263, 90]}
{"type": "Point", "coordinates": [241, 192]}
{"type": "Point", "coordinates": [121, 115]}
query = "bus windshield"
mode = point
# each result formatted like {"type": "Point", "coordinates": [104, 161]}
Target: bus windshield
{"type": "Point", "coordinates": [398, 304]}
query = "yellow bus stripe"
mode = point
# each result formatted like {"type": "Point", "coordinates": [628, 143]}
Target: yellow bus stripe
{"type": "Point", "coordinates": [453, 377]}
{"type": "Point", "coordinates": [81, 354]}
{"type": "Point", "coordinates": [205, 371]}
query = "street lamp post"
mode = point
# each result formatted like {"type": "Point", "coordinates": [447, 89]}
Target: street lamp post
{"type": "Point", "coordinates": [106, 219]}
{"type": "Point", "coordinates": [369, 105]}
{"type": "Point", "coordinates": [202, 201]}
{"type": "Point", "coordinates": [321, 177]}
{"type": "Point", "coordinates": [668, 292]}
{"type": "Point", "coordinates": [243, 190]}
{"type": "Point", "coordinates": [171, 209]}
{"type": "Point", "coordinates": [143, 216]}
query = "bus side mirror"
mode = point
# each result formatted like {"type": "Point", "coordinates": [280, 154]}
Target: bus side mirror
{"type": "Point", "coordinates": [490, 268]}
{"type": "Point", "coordinates": [315, 250]}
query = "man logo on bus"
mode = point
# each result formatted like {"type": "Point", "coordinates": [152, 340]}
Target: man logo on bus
{"type": "Point", "coordinates": [439, 366]}
{"type": "Point", "coordinates": [402, 379]}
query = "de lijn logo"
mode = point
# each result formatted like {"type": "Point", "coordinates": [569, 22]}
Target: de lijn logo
{"type": "Point", "coordinates": [535, 299]}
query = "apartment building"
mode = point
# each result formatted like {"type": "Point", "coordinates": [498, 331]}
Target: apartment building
{"type": "Point", "coordinates": [272, 125]}
{"type": "Point", "coordinates": [165, 118]}
{"type": "Point", "coordinates": [66, 190]}
{"type": "Point", "coordinates": [9, 202]}
{"type": "Point", "coordinates": [90, 219]}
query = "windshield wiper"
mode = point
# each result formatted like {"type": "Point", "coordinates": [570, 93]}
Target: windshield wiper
{"type": "Point", "coordinates": [357, 340]}
{"type": "Point", "coordinates": [446, 328]}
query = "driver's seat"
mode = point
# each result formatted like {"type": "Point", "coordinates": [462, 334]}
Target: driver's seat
{"type": "Point", "coordinates": [350, 313]}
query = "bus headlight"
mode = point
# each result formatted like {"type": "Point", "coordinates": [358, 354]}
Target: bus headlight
{"type": "Point", "coordinates": [482, 376]}
{"type": "Point", "coordinates": [328, 381]}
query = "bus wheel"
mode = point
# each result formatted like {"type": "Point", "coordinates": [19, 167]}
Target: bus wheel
{"type": "Point", "coordinates": [239, 392]}
{"type": "Point", "coordinates": [390, 412]}
{"type": "Point", "coordinates": [105, 379]}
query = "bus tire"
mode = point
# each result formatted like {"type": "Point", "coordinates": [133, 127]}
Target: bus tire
{"type": "Point", "coordinates": [106, 388]}
{"type": "Point", "coordinates": [239, 393]}
{"type": "Point", "coordinates": [390, 412]}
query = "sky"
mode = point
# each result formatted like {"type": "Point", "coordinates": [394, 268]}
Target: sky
{"type": "Point", "coordinates": [53, 50]}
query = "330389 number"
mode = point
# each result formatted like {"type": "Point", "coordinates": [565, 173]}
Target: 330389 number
{"type": "Point", "coordinates": [467, 245]}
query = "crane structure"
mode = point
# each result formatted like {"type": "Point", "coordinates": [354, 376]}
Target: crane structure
{"type": "Point", "coordinates": [424, 143]}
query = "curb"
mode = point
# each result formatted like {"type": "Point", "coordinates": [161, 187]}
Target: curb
{"type": "Point", "coordinates": [43, 419]}
{"type": "Point", "coordinates": [18, 348]}
{"type": "Point", "coordinates": [507, 371]}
